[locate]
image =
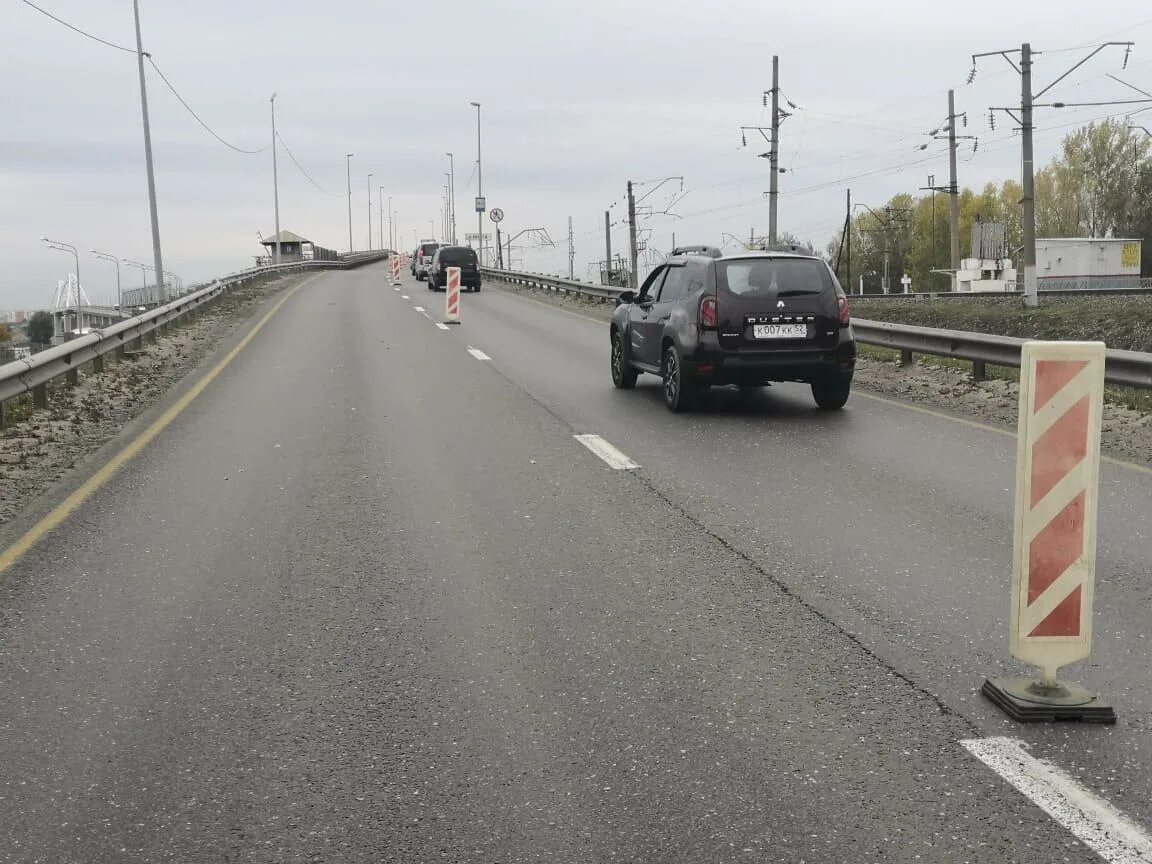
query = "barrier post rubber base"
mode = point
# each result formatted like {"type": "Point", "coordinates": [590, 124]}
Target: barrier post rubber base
{"type": "Point", "coordinates": [1027, 701]}
{"type": "Point", "coordinates": [451, 322]}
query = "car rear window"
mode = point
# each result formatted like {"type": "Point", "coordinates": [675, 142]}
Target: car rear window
{"type": "Point", "coordinates": [429, 248]}
{"type": "Point", "coordinates": [457, 255]}
{"type": "Point", "coordinates": [776, 276]}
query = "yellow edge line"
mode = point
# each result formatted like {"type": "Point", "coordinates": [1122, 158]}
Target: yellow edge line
{"type": "Point", "coordinates": [66, 507]}
{"type": "Point", "coordinates": [975, 424]}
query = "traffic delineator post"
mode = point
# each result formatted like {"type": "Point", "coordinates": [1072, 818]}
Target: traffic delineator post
{"type": "Point", "coordinates": [394, 262]}
{"type": "Point", "coordinates": [1054, 539]}
{"type": "Point", "coordinates": [452, 296]}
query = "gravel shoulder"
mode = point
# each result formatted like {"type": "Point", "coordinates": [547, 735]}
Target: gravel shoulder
{"type": "Point", "coordinates": [38, 449]}
{"type": "Point", "coordinates": [1127, 433]}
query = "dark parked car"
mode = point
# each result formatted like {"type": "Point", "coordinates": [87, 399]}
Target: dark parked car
{"type": "Point", "coordinates": [463, 257]}
{"type": "Point", "coordinates": [747, 319]}
{"type": "Point", "coordinates": [422, 260]}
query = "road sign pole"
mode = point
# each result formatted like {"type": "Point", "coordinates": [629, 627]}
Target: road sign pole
{"type": "Point", "coordinates": [1054, 546]}
{"type": "Point", "coordinates": [452, 296]}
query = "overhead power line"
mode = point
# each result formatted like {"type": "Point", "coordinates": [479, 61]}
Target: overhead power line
{"type": "Point", "coordinates": [77, 29]}
{"type": "Point", "coordinates": [207, 128]}
{"type": "Point", "coordinates": [307, 176]}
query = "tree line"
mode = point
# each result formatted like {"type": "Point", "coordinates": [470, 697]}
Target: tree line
{"type": "Point", "coordinates": [1099, 186]}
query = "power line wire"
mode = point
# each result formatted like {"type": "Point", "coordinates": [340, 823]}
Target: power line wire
{"type": "Point", "coordinates": [207, 128]}
{"type": "Point", "coordinates": [307, 176]}
{"type": "Point", "coordinates": [77, 29]}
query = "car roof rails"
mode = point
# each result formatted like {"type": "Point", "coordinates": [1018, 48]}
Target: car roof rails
{"type": "Point", "coordinates": [795, 248]}
{"type": "Point", "coordinates": [708, 251]}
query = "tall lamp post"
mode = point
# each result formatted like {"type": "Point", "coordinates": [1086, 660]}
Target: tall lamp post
{"type": "Point", "coordinates": [452, 195]}
{"type": "Point", "coordinates": [369, 211]}
{"type": "Point", "coordinates": [144, 268]}
{"type": "Point", "coordinates": [65, 247]}
{"type": "Point", "coordinates": [275, 186]}
{"type": "Point", "coordinates": [104, 256]}
{"type": "Point", "coordinates": [479, 189]}
{"type": "Point", "coordinates": [140, 54]}
{"type": "Point", "coordinates": [380, 215]}
{"type": "Point", "coordinates": [349, 165]}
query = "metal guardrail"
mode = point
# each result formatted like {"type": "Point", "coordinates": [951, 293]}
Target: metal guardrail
{"type": "Point", "coordinates": [1122, 368]}
{"type": "Point", "coordinates": [31, 374]}
{"type": "Point", "coordinates": [553, 283]}
{"type": "Point", "coordinates": [986, 295]}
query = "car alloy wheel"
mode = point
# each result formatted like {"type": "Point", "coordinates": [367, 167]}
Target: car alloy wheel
{"type": "Point", "coordinates": [623, 376]}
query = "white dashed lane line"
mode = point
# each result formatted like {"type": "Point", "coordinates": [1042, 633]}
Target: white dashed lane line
{"type": "Point", "coordinates": [418, 308]}
{"type": "Point", "coordinates": [442, 326]}
{"type": "Point", "coordinates": [404, 297]}
{"type": "Point", "coordinates": [1099, 825]}
{"type": "Point", "coordinates": [607, 452]}
{"type": "Point", "coordinates": [478, 354]}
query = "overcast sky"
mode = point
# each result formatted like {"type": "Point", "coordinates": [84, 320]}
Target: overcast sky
{"type": "Point", "coordinates": [578, 97]}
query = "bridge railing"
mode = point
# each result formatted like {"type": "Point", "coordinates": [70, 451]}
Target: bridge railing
{"type": "Point", "coordinates": [32, 374]}
{"type": "Point", "coordinates": [1122, 368]}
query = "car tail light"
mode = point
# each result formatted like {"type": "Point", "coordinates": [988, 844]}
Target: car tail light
{"type": "Point", "coordinates": [844, 317]}
{"type": "Point", "coordinates": [708, 315]}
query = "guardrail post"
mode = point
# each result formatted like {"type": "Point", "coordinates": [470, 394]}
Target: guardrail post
{"type": "Point", "coordinates": [979, 370]}
{"type": "Point", "coordinates": [72, 376]}
{"type": "Point", "coordinates": [40, 396]}
{"type": "Point", "coordinates": [906, 357]}
{"type": "Point", "coordinates": [121, 351]}
{"type": "Point", "coordinates": [1, 415]}
{"type": "Point", "coordinates": [98, 364]}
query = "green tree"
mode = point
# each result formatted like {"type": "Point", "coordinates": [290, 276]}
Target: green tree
{"type": "Point", "coordinates": [1105, 160]}
{"type": "Point", "coordinates": [41, 328]}
{"type": "Point", "coordinates": [5, 334]}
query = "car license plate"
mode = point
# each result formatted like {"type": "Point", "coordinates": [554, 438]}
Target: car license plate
{"type": "Point", "coordinates": [779, 331]}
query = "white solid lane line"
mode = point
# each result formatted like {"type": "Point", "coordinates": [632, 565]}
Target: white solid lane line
{"type": "Point", "coordinates": [442, 326]}
{"type": "Point", "coordinates": [607, 452]}
{"type": "Point", "coordinates": [478, 354]}
{"type": "Point", "coordinates": [1099, 825]}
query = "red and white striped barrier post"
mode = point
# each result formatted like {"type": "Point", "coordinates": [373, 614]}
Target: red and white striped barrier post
{"type": "Point", "coordinates": [452, 297]}
{"type": "Point", "coordinates": [1054, 545]}
{"type": "Point", "coordinates": [394, 263]}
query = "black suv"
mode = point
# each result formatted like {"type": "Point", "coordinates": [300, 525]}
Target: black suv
{"type": "Point", "coordinates": [748, 319]}
{"type": "Point", "coordinates": [463, 257]}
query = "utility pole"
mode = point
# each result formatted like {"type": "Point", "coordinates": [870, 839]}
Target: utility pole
{"type": "Point", "coordinates": [571, 249]}
{"type": "Point", "coordinates": [392, 244]}
{"type": "Point", "coordinates": [480, 203]}
{"type": "Point", "coordinates": [848, 233]}
{"type": "Point", "coordinates": [380, 214]}
{"type": "Point", "coordinates": [887, 221]}
{"type": "Point", "coordinates": [452, 196]}
{"type": "Point", "coordinates": [1024, 118]}
{"type": "Point", "coordinates": [954, 193]}
{"type": "Point", "coordinates": [632, 280]}
{"type": "Point", "coordinates": [370, 212]}
{"type": "Point", "coordinates": [608, 246]}
{"type": "Point", "coordinates": [774, 152]}
{"type": "Point", "coordinates": [275, 186]}
{"type": "Point", "coordinates": [156, 256]}
{"type": "Point", "coordinates": [348, 157]}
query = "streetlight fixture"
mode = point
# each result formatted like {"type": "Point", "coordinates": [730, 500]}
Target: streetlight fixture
{"type": "Point", "coordinates": [143, 278]}
{"type": "Point", "coordinates": [275, 186]}
{"type": "Point", "coordinates": [369, 211]}
{"type": "Point", "coordinates": [479, 189]}
{"type": "Point", "coordinates": [349, 156]}
{"type": "Point", "coordinates": [105, 256]}
{"type": "Point", "coordinates": [65, 247]}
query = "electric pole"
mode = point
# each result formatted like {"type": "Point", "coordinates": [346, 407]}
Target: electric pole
{"type": "Point", "coordinates": [1023, 116]}
{"type": "Point", "coordinates": [953, 192]}
{"type": "Point", "coordinates": [275, 185]}
{"type": "Point", "coordinates": [848, 233]}
{"type": "Point", "coordinates": [571, 249]}
{"type": "Point", "coordinates": [632, 281]}
{"type": "Point", "coordinates": [156, 256]}
{"type": "Point", "coordinates": [774, 157]}
{"type": "Point", "coordinates": [607, 248]}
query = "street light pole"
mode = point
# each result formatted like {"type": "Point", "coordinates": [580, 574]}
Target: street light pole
{"type": "Point", "coordinates": [65, 247]}
{"type": "Point", "coordinates": [380, 217]}
{"type": "Point", "coordinates": [107, 257]}
{"type": "Point", "coordinates": [148, 149]}
{"type": "Point", "coordinates": [452, 194]}
{"type": "Point", "coordinates": [349, 166]}
{"type": "Point", "coordinates": [369, 211]}
{"type": "Point", "coordinates": [275, 185]}
{"type": "Point", "coordinates": [479, 190]}
{"type": "Point", "coordinates": [391, 233]}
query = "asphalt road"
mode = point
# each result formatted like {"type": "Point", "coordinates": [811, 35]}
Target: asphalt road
{"type": "Point", "coordinates": [367, 599]}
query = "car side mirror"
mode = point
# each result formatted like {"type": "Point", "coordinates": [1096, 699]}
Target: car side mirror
{"type": "Point", "coordinates": [626, 297]}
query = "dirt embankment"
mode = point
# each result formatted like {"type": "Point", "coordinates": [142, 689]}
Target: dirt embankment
{"type": "Point", "coordinates": [38, 447]}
